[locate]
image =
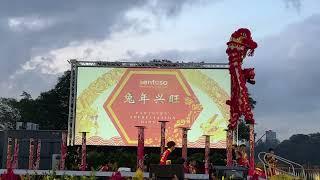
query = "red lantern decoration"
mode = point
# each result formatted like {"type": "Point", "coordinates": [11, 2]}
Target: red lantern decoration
{"type": "Point", "coordinates": [206, 154]}
{"type": "Point", "coordinates": [163, 135]}
{"type": "Point", "coordinates": [63, 150]}
{"type": "Point", "coordinates": [31, 153]}
{"type": "Point", "coordinates": [9, 158]}
{"type": "Point", "coordinates": [16, 154]}
{"type": "Point", "coordinates": [37, 162]}
{"type": "Point", "coordinates": [140, 151]}
{"type": "Point", "coordinates": [184, 142]}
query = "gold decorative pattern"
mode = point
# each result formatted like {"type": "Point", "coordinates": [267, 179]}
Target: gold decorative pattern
{"type": "Point", "coordinates": [210, 87]}
{"type": "Point", "coordinates": [84, 111]}
{"type": "Point", "coordinates": [85, 114]}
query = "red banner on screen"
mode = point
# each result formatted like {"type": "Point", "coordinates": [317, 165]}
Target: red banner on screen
{"type": "Point", "coordinates": [143, 97]}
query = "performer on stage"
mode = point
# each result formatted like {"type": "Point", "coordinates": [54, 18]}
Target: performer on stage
{"type": "Point", "coordinates": [272, 161]}
{"type": "Point", "coordinates": [193, 167]}
{"type": "Point", "coordinates": [163, 159]}
{"type": "Point", "coordinates": [234, 154]}
{"type": "Point", "coordinates": [242, 157]}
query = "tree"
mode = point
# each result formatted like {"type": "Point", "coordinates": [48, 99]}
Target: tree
{"type": "Point", "coordinates": [50, 109]}
{"type": "Point", "coordinates": [301, 148]}
{"type": "Point", "coordinates": [27, 107]}
{"type": "Point", "coordinates": [26, 95]}
{"type": "Point", "coordinates": [9, 115]}
{"type": "Point", "coordinates": [264, 146]}
{"type": "Point", "coordinates": [53, 105]}
{"type": "Point", "coordinates": [243, 128]}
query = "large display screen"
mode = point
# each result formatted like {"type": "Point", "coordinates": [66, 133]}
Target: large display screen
{"type": "Point", "coordinates": [111, 102]}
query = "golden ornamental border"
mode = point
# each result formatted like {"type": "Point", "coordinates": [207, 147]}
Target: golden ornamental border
{"type": "Point", "coordinates": [94, 90]}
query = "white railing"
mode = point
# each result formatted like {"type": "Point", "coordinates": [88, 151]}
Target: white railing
{"type": "Point", "coordinates": [294, 169]}
{"type": "Point", "coordinates": [89, 173]}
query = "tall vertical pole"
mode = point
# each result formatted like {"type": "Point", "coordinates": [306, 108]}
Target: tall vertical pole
{"type": "Point", "coordinates": [31, 153]}
{"type": "Point", "coordinates": [163, 135]}
{"type": "Point", "coordinates": [252, 141]}
{"type": "Point", "coordinates": [63, 150]}
{"type": "Point", "coordinates": [9, 158]}
{"type": "Point", "coordinates": [206, 154]}
{"type": "Point", "coordinates": [229, 147]}
{"type": "Point", "coordinates": [37, 163]}
{"type": "Point", "coordinates": [84, 152]}
{"type": "Point", "coordinates": [240, 103]}
{"type": "Point", "coordinates": [184, 142]}
{"type": "Point", "coordinates": [140, 151]}
{"type": "Point", "coordinates": [16, 154]}
{"type": "Point", "coordinates": [72, 101]}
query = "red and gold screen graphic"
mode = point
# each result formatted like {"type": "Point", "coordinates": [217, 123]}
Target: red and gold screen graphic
{"type": "Point", "coordinates": [112, 101]}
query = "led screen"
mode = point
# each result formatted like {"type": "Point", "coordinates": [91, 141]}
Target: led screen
{"type": "Point", "coordinates": [111, 102]}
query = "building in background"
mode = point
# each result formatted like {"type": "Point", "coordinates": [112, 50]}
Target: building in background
{"type": "Point", "coordinates": [271, 136]}
{"type": "Point", "coordinates": [50, 144]}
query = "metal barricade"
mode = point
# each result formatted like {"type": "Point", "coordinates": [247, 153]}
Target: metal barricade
{"type": "Point", "coordinates": [293, 169]}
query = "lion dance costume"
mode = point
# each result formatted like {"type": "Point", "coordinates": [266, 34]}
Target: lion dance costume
{"type": "Point", "coordinates": [239, 46]}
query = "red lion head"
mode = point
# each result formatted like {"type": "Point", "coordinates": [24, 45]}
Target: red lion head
{"type": "Point", "coordinates": [249, 75]}
{"type": "Point", "coordinates": [241, 42]}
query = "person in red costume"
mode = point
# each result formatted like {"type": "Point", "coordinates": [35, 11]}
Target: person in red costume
{"type": "Point", "coordinates": [163, 159]}
{"type": "Point", "coordinates": [242, 157]}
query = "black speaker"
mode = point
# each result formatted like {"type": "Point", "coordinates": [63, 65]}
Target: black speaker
{"type": "Point", "coordinates": [233, 172]}
{"type": "Point", "coordinates": [166, 171]}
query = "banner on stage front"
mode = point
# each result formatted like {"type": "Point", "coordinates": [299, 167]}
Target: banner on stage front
{"type": "Point", "coordinates": [110, 102]}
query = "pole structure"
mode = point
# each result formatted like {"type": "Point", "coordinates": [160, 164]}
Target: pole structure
{"type": "Point", "coordinates": [163, 135]}
{"type": "Point", "coordinates": [37, 163]}
{"type": "Point", "coordinates": [237, 135]}
{"type": "Point", "coordinates": [16, 154]}
{"type": "Point", "coordinates": [31, 153]}
{"type": "Point", "coordinates": [252, 143]}
{"type": "Point", "coordinates": [84, 152]}
{"type": "Point", "coordinates": [240, 46]}
{"type": "Point", "coordinates": [63, 150]}
{"type": "Point", "coordinates": [140, 151]}
{"type": "Point", "coordinates": [229, 147]}
{"type": "Point", "coordinates": [184, 142]}
{"type": "Point", "coordinates": [9, 158]}
{"type": "Point", "coordinates": [206, 154]}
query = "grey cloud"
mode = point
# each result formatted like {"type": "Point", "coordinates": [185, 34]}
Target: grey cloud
{"type": "Point", "coordinates": [287, 75]}
{"type": "Point", "coordinates": [32, 82]}
{"type": "Point", "coordinates": [207, 55]}
{"type": "Point", "coordinates": [287, 70]}
{"type": "Point", "coordinates": [296, 4]}
{"type": "Point", "coordinates": [72, 21]}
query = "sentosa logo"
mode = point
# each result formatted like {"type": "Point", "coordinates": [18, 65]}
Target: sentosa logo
{"type": "Point", "coordinates": [153, 83]}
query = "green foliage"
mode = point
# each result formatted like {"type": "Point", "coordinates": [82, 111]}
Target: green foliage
{"type": "Point", "coordinates": [301, 148]}
{"type": "Point", "coordinates": [243, 130]}
{"type": "Point", "coordinates": [53, 176]}
{"type": "Point", "coordinates": [96, 159]}
{"type": "Point", "coordinates": [8, 113]}
{"type": "Point", "coordinates": [218, 159]}
{"type": "Point", "coordinates": [49, 110]}
{"type": "Point", "coordinates": [153, 158]}
{"type": "Point", "coordinates": [52, 106]}
{"type": "Point", "coordinates": [199, 157]}
{"type": "Point", "coordinates": [284, 177]}
{"type": "Point", "coordinates": [263, 146]}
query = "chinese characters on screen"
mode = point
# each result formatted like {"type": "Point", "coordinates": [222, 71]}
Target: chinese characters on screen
{"type": "Point", "coordinates": [144, 98]}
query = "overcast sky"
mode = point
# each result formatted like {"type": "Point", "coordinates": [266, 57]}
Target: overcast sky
{"type": "Point", "coordinates": [37, 38]}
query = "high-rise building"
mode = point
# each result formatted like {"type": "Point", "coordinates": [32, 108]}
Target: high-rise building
{"type": "Point", "coordinates": [271, 136]}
